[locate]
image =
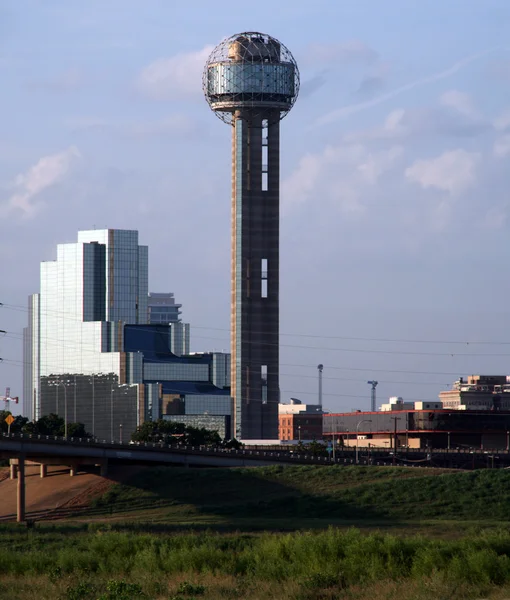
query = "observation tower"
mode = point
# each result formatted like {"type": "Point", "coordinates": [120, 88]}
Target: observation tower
{"type": "Point", "coordinates": [251, 82]}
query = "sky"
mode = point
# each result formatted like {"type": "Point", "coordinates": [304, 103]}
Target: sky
{"type": "Point", "coordinates": [394, 176]}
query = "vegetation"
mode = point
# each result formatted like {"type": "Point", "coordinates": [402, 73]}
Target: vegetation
{"type": "Point", "coordinates": [293, 496]}
{"type": "Point", "coordinates": [101, 565]}
{"type": "Point", "coordinates": [170, 432]}
{"type": "Point", "coordinates": [48, 425]}
{"type": "Point", "coordinates": [16, 427]}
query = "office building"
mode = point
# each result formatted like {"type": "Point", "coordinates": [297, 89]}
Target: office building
{"type": "Point", "coordinates": [478, 392]}
{"type": "Point", "coordinates": [251, 82]}
{"type": "Point", "coordinates": [163, 308]}
{"type": "Point", "coordinates": [90, 354]}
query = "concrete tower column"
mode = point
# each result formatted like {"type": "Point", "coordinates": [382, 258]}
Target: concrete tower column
{"type": "Point", "coordinates": [255, 273]}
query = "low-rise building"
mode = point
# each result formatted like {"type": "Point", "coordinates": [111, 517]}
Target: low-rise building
{"type": "Point", "coordinates": [298, 421]}
{"type": "Point", "coordinates": [478, 392]}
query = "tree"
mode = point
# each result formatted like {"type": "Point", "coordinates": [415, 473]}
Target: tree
{"type": "Point", "coordinates": [233, 443]}
{"type": "Point", "coordinates": [77, 430]}
{"type": "Point", "coordinates": [171, 432]}
{"type": "Point", "coordinates": [16, 427]}
{"type": "Point", "coordinates": [53, 425]}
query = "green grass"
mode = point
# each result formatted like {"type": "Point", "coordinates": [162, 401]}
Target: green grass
{"type": "Point", "coordinates": [302, 494]}
{"type": "Point", "coordinates": [131, 544]}
{"type": "Point", "coordinates": [98, 564]}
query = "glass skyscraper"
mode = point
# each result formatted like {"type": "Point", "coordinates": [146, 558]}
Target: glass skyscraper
{"type": "Point", "coordinates": [74, 360]}
{"type": "Point", "coordinates": [91, 354]}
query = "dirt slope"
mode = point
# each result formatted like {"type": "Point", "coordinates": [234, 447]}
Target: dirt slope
{"type": "Point", "coordinates": [56, 496]}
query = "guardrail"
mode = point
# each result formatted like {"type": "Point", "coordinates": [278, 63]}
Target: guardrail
{"type": "Point", "coordinates": [372, 456]}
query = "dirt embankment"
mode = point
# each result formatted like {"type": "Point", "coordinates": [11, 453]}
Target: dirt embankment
{"type": "Point", "coordinates": [57, 496]}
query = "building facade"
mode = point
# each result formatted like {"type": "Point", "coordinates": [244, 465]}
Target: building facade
{"type": "Point", "coordinates": [420, 429]}
{"type": "Point", "coordinates": [301, 422]}
{"type": "Point", "coordinates": [478, 392]}
{"type": "Point", "coordinates": [163, 308]}
{"type": "Point", "coordinates": [90, 354]}
{"type": "Point", "coordinates": [74, 362]}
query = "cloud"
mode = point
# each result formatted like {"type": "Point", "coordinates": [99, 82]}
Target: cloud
{"type": "Point", "coordinates": [496, 217]}
{"type": "Point", "coordinates": [459, 101]}
{"type": "Point", "coordinates": [502, 147]}
{"type": "Point", "coordinates": [401, 124]}
{"type": "Point", "coordinates": [374, 81]}
{"type": "Point", "coordinates": [176, 77]}
{"type": "Point", "coordinates": [502, 123]}
{"type": "Point", "coordinates": [452, 171]}
{"type": "Point", "coordinates": [48, 171]}
{"type": "Point", "coordinates": [310, 86]}
{"type": "Point", "coordinates": [339, 174]}
{"type": "Point", "coordinates": [378, 163]}
{"type": "Point", "coordinates": [370, 85]}
{"type": "Point", "coordinates": [351, 109]}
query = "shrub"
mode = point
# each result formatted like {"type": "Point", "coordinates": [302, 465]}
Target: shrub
{"type": "Point", "coordinates": [189, 589]}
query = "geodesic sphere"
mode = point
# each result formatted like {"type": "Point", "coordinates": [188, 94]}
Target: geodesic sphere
{"type": "Point", "coordinates": [253, 73]}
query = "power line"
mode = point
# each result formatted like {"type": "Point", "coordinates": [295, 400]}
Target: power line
{"type": "Point", "coordinates": [360, 350]}
{"type": "Point", "coordinates": [22, 308]}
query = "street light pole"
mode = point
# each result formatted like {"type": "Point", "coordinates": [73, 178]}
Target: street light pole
{"type": "Point", "coordinates": [299, 432]}
{"type": "Point", "coordinates": [120, 433]}
{"type": "Point", "coordinates": [357, 432]}
{"type": "Point", "coordinates": [65, 405]}
{"type": "Point", "coordinates": [65, 411]}
{"type": "Point", "coordinates": [111, 414]}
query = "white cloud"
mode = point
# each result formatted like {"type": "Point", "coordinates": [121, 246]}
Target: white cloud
{"type": "Point", "coordinates": [502, 123]}
{"type": "Point", "coordinates": [452, 171]}
{"type": "Point", "coordinates": [378, 163]}
{"type": "Point", "coordinates": [174, 77]}
{"type": "Point", "coordinates": [459, 101]}
{"type": "Point", "coordinates": [339, 174]}
{"type": "Point", "coordinates": [350, 109]}
{"type": "Point", "coordinates": [48, 171]}
{"type": "Point", "coordinates": [401, 124]}
{"type": "Point", "coordinates": [495, 218]}
{"type": "Point", "coordinates": [502, 147]}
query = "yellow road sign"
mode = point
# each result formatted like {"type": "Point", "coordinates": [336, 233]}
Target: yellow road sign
{"type": "Point", "coordinates": [10, 420]}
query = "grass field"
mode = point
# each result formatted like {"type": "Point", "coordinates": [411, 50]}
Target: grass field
{"type": "Point", "coordinates": [290, 497]}
{"type": "Point", "coordinates": [96, 564]}
{"type": "Point", "coordinates": [273, 533]}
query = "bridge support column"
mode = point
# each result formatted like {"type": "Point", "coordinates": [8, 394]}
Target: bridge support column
{"type": "Point", "coordinates": [103, 468]}
{"type": "Point", "coordinates": [44, 471]}
{"type": "Point", "coordinates": [73, 470]}
{"type": "Point", "coordinates": [21, 489]}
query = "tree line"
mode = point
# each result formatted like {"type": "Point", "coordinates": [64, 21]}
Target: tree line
{"type": "Point", "coordinates": [161, 431]}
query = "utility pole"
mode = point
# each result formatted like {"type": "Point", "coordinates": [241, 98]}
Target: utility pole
{"type": "Point", "coordinates": [320, 368]}
{"type": "Point", "coordinates": [395, 419]}
{"type": "Point", "coordinates": [372, 394]}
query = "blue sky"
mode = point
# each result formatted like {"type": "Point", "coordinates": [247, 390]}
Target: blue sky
{"type": "Point", "coordinates": [394, 176]}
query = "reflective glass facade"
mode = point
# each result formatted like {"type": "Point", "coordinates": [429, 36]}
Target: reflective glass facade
{"type": "Point", "coordinates": [76, 329]}
{"type": "Point", "coordinates": [251, 78]}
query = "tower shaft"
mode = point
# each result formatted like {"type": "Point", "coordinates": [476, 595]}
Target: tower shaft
{"type": "Point", "coordinates": [255, 273]}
